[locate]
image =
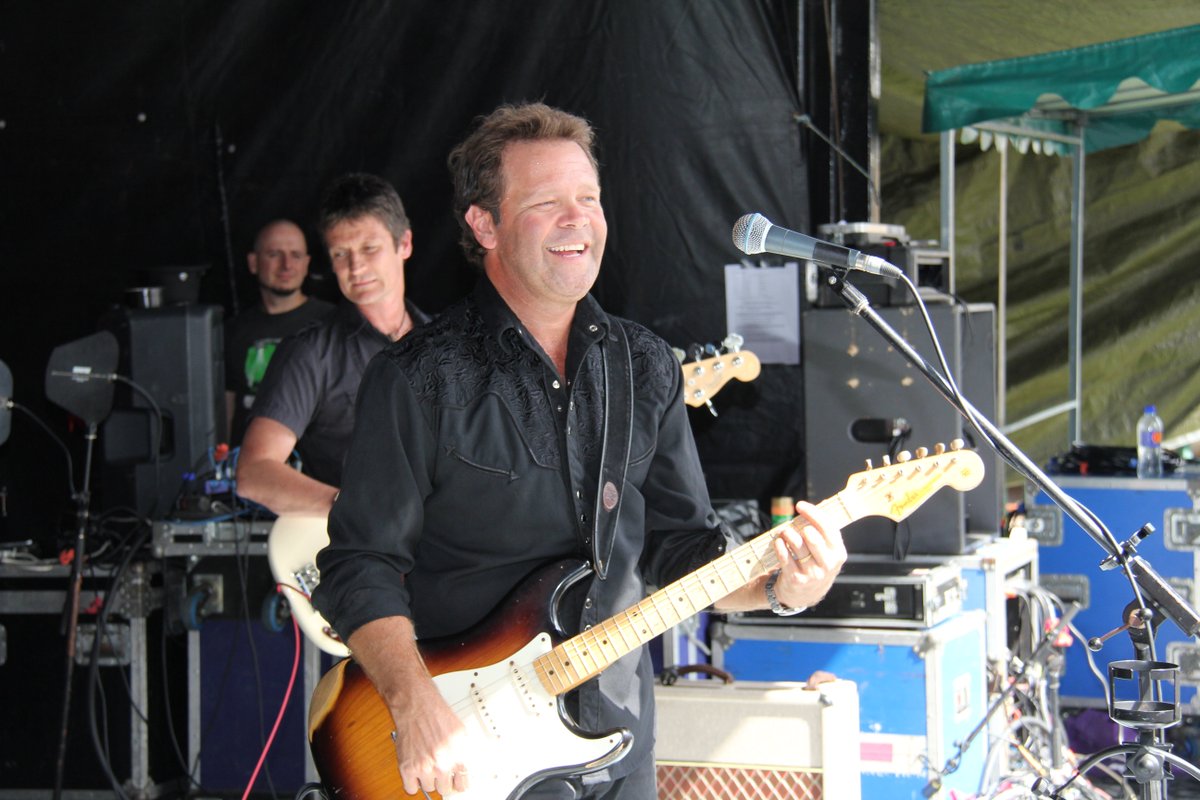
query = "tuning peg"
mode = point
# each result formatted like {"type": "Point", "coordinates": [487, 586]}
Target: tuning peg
{"type": "Point", "coordinates": [903, 456]}
{"type": "Point", "coordinates": [939, 448]}
{"type": "Point", "coordinates": [870, 466]}
{"type": "Point", "coordinates": [711, 409]}
{"type": "Point", "coordinates": [733, 342]}
{"type": "Point", "coordinates": [957, 444]}
{"type": "Point", "coordinates": [710, 349]}
{"type": "Point", "coordinates": [887, 461]}
{"type": "Point", "coordinates": [922, 452]}
{"type": "Point", "coordinates": [679, 353]}
{"type": "Point", "coordinates": [695, 351]}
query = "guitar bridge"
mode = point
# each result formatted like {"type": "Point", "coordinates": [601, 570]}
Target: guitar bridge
{"type": "Point", "coordinates": [307, 578]}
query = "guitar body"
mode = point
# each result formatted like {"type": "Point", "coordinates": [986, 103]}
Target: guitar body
{"type": "Point", "coordinates": [292, 547]}
{"type": "Point", "coordinates": [486, 675]}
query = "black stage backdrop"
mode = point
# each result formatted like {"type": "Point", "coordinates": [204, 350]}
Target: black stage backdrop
{"type": "Point", "coordinates": [145, 134]}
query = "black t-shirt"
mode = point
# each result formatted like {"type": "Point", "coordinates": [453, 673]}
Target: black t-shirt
{"type": "Point", "coordinates": [312, 382]}
{"type": "Point", "coordinates": [250, 340]}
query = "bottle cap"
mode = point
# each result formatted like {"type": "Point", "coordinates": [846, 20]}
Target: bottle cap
{"type": "Point", "coordinates": [1150, 409]}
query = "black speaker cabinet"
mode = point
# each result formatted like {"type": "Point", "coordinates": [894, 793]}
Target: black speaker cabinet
{"type": "Point", "coordinates": [858, 389]}
{"type": "Point", "coordinates": [175, 354]}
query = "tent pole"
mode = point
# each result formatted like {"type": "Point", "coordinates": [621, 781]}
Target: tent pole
{"type": "Point", "coordinates": [946, 234]}
{"type": "Point", "coordinates": [1075, 311]}
{"type": "Point", "coordinates": [1002, 288]}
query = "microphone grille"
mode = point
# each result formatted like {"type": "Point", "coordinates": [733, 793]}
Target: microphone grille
{"type": "Point", "coordinates": [750, 233]}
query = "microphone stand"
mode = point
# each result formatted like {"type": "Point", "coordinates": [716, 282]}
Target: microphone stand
{"type": "Point", "coordinates": [1141, 575]}
{"type": "Point", "coordinates": [82, 502]}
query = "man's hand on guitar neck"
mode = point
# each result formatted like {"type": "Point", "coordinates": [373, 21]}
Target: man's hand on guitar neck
{"type": "Point", "coordinates": [810, 558]}
{"type": "Point", "coordinates": [432, 749]}
{"type": "Point", "coordinates": [811, 554]}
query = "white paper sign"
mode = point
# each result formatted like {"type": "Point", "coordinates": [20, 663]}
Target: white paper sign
{"type": "Point", "coordinates": [763, 305]}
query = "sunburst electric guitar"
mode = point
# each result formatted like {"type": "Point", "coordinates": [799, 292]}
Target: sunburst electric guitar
{"type": "Point", "coordinates": [505, 677]}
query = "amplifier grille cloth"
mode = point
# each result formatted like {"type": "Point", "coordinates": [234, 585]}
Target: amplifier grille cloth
{"type": "Point", "coordinates": [692, 782]}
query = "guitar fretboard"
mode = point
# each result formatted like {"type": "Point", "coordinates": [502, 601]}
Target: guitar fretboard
{"type": "Point", "coordinates": [893, 490]}
{"type": "Point", "coordinates": [584, 656]}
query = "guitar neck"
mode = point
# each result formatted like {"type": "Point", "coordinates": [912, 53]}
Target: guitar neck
{"type": "Point", "coordinates": [893, 491]}
{"type": "Point", "coordinates": [584, 656]}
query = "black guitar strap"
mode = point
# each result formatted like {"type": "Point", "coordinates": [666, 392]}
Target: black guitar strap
{"type": "Point", "coordinates": [618, 434]}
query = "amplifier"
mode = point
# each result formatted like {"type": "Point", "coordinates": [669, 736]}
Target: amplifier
{"type": "Point", "coordinates": [757, 740]}
{"type": "Point", "coordinates": [210, 537]}
{"type": "Point", "coordinates": [881, 594]}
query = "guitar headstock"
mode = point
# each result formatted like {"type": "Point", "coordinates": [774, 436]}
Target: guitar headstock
{"type": "Point", "coordinates": [704, 377]}
{"type": "Point", "coordinates": [895, 490]}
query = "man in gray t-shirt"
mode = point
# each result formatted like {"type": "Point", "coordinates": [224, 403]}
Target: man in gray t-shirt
{"type": "Point", "coordinates": [306, 402]}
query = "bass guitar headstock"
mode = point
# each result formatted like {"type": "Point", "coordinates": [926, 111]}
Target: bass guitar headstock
{"type": "Point", "coordinates": [713, 367]}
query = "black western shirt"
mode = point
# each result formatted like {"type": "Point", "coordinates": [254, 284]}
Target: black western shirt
{"type": "Point", "coordinates": [473, 463]}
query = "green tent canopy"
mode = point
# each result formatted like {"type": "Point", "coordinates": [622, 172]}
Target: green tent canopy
{"type": "Point", "coordinates": [1066, 102]}
{"type": "Point", "coordinates": [1112, 93]}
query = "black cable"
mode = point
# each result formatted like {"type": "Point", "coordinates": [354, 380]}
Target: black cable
{"type": "Point", "coordinates": [242, 561]}
{"type": "Point", "coordinates": [168, 708]}
{"type": "Point", "coordinates": [57, 440]}
{"type": "Point", "coordinates": [94, 667]}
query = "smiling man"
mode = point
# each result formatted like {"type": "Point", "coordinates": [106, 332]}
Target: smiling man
{"type": "Point", "coordinates": [306, 400]}
{"type": "Point", "coordinates": [522, 427]}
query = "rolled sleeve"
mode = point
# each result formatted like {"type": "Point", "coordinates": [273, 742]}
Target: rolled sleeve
{"type": "Point", "coordinates": [378, 515]}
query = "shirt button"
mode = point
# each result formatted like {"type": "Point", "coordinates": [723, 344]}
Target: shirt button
{"type": "Point", "coordinates": [556, 384]}
{"type": "Point", "coordinates": [587, 627]}
{"type": "Point", "coordinates": [587, 603]}
{"type": "Point", "coordinates": [583, 518]}
{"type": "Point", "coordinates": [592, 328]}
{"type": "Point", "coordinates": [558, 408]}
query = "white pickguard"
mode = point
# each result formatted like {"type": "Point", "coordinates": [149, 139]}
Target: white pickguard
{"type": "Point", "coordinates": [515, 727]}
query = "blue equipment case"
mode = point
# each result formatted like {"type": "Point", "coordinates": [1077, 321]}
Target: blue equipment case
{"type": "Point", "coordinates": [1070, 559]}
{"type": "Point", "coordinates": [920, 691]}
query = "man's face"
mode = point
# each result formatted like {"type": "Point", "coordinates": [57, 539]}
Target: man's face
{"type": "Point", "coordinates": [369, 266]}
{"type": "Point", "coordinates": [280, 259]}
{"type": "Point", "coordinates": [547, 246]}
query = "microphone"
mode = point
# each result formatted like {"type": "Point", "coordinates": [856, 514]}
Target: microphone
{"type": "Point", "coordinates": [754, 234]}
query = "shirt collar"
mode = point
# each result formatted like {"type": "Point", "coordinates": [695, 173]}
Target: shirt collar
{"type": "Point", "coordinates": [358, 325]}
{"type": "Point", "coordinates": [590, 322]}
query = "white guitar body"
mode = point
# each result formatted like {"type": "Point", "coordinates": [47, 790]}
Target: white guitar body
{"type": "Point", "coordinates": [516, 730]}
{"type": "Point", "coordinates": [292, 547]}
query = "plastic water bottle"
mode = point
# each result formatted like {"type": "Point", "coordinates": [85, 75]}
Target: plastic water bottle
{"type": "Point", "coordinates": [1149, 444]}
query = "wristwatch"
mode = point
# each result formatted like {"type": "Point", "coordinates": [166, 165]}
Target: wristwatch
{"type": "Point", "coordinates": [776, 606]}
